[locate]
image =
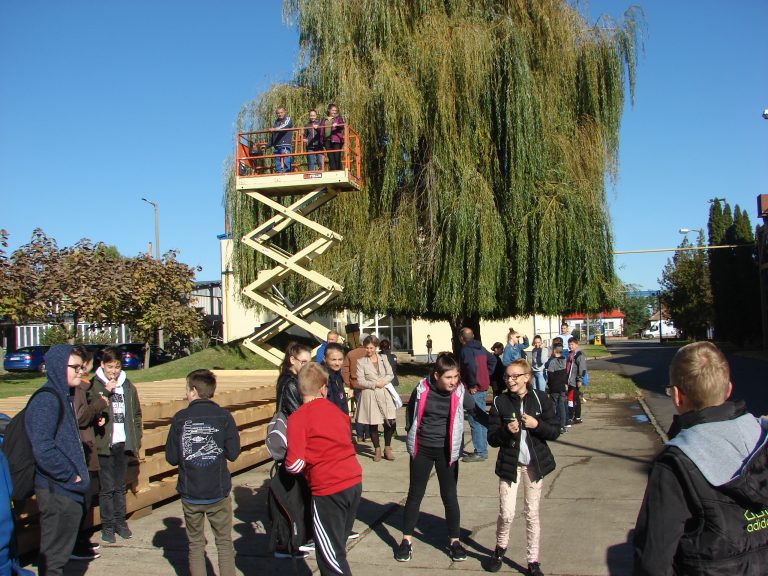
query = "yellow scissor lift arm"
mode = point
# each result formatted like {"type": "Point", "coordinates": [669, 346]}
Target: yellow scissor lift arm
{"type": "Point", "coordinates": [255, 177]}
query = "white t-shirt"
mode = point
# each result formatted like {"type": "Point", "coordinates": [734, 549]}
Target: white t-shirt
{"type": "Point", "coordinates": [118, 414]}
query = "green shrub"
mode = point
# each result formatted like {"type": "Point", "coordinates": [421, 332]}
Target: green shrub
{"type": "Point", "coordinates": [54, 335]}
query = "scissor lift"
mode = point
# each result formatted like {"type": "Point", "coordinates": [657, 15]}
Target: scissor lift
{"type": "Point", "coordinates": [256, 176]}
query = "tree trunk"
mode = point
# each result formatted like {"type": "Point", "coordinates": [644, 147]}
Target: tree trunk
{"type": "Point", "coordinates": [146, 354]}
{"type": "Point", "coordinates": [73, 331]}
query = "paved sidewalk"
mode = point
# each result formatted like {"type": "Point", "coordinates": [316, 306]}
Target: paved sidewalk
{"type": "Point", "coordinates": [589, 506]}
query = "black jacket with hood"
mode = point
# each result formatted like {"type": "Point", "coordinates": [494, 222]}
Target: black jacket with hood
{"type": "Point", "coordinates": [706, 503]}
{"type": "Point", "coordinates": [507, 406]}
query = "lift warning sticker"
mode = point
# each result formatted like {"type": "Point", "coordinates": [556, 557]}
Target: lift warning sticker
{"type": "Point", "coordinates": [313, 175]}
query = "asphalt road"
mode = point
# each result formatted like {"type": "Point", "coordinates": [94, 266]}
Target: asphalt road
{"type": "Point", "coordinates": [647, 363]}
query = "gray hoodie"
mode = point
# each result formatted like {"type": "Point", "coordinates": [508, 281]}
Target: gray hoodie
{"type": "Point", "coordinates": [720, 449]}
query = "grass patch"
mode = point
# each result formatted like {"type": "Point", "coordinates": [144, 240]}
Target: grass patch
{"type": "Point", "coordinates": [19, 383]}
{"type": "Point", "coordinates": [605, 382]}
{"type": "Point", "coordinates": [226, 357]}
{"type": "Point", "coordinates": [593, 351]}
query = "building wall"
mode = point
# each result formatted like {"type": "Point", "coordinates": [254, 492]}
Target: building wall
{"type": "Point", "coordinates": [490, 331]}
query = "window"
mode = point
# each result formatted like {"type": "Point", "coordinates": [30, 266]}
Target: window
{"type": "Point", "coordinates": [396, 329]}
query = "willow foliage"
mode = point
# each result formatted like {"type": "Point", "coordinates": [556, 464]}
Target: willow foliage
{"type": "Point", "coordinates": [488, 129]}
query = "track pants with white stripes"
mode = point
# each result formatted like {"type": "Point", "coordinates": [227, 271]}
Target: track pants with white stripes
{"type": "Point", "coordinates": [333, 516]}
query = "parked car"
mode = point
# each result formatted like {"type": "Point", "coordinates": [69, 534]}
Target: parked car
{"type": "Point", "coordinates": [26, 358]}
{"type": "Point", "coordinates": [133, 356]}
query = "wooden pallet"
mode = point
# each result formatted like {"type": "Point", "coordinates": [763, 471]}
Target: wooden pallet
{"type": "Point", "coordinates": [248, 394]}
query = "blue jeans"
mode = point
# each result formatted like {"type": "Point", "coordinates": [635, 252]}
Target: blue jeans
{"type": "Point", "coordinates": [283, 163]}
{"type": "Point", "coordinates": [560, 399]}
{"type": "Point", "coordinates": [539, 382]}
{"type": "Point", "coordinates": [314, 161]}
{"type": "Point", "coordinates": [478, 424]}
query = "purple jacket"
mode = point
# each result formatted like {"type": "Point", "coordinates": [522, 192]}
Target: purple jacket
{"type": "Point", "coordinates": [337, 132]}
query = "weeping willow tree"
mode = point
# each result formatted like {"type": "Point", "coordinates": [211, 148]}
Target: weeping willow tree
{"type": "Point", "coordinates": [488, 130]}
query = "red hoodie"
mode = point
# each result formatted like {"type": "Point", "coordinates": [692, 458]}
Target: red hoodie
{"type": "Point", "coordinates": [319, 444]}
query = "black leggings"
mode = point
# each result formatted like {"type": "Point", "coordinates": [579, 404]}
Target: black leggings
{"type": "Point", "coordinates": [447, 476]}
{"type": "Point", "coordinates": [373, 430]}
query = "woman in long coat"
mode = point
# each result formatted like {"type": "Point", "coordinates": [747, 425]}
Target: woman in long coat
{"type": "Point", "coordinates": [376, 404]}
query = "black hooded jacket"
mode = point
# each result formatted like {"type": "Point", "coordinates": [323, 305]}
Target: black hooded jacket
{"type": "Point", "coordinates": [705, 509]}
{"type": "Point", "coordinates": [506, 406]}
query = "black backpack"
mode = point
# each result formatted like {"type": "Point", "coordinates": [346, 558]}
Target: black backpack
{"type": "Point", "coordinates": [18, 451]}
{"type": "Point", "coordinates": [288, 511]}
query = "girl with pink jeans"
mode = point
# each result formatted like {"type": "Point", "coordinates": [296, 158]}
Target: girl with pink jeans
{"type": "Point", "coordinates": [521, 421]}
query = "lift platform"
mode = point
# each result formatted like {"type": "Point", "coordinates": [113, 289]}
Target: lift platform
{"type": "Point", "coordinates": [256, 173]}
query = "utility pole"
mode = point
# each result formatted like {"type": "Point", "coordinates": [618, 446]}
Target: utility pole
{"type": "Point", "coordinates": [160, 339]}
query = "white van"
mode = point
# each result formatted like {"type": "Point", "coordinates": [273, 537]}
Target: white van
{"type": "Point", "coordinates": [668, 330]}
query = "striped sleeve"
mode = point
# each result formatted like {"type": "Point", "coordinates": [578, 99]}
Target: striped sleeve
{"type": "Point", "coordinates": [295, 460]}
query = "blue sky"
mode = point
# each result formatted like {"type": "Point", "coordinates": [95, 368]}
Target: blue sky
{"type": "Point", "coordinates": [105, 102]}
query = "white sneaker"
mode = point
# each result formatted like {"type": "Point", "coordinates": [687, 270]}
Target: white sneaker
{"type": "Point", "coordinates": [309, 546]}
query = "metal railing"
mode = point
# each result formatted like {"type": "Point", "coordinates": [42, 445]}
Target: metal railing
{"type": "Point", "coordinates": [255, 153]}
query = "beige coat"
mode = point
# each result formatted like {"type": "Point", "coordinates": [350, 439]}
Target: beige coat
{"type": "Point", "coordinates": [375, 404]}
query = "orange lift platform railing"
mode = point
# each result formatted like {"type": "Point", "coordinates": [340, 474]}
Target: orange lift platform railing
{"type": "Point", "coordinates": [256, 174]}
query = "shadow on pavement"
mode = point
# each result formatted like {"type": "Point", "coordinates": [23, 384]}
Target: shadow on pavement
{"type": "Point", "coordinates": [619, 557]}
{"type": "Point", "coordinates": [173, 541]}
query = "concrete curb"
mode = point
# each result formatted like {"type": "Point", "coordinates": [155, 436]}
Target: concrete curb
{"type": "Point", "coordinates": [652, 420]}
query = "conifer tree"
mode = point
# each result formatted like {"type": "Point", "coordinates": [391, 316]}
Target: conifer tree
{"type": "Point", "coordinates": [488, 129]}
{"type": "Point", "coordinates": [734, 276]}
{"type": "Point", "coordinates": [718, 267]}
{"type": "Point", "coordinates": [745, 319]}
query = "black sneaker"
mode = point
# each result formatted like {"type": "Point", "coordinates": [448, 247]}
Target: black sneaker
{"type": "Point", "coordinates": [496, 559]}
{"type": "Point", "coordinates": [124, 532]}
{"type": "Point", "coordinates": [404, 551]}
{"type": "Point", "coordinates": [84, 553]}
{"type": "Point", "coordinates": [108, 536]}
{"type": "Point", "coordinates": [93, 545]}
{"type": "Point", "coordinates": [284, 554]}
{"type": "Point", "coordinates": [534, 569]}
{"type": "Point", "coordinates": [353, 535]}
{"type": "Point", "coordinates": [475, 457]}
{"type": "Point", "coordinates": [457, 552]}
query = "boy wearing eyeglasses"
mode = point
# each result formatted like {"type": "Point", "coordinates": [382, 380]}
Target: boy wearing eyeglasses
{"type": "Point", "coordinates": [521, 421]}
{"type": "Point", "coordinates": [61, 473]}
{"type": "Point", "coordinates": [705, 504]}
{"type": "Point", "coordinates": [118, 436]}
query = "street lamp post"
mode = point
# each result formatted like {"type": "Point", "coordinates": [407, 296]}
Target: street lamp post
{"type": "Point", "coordinates": [160, 338]}
{"type": "Point", "coordinates": [157, 228]}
